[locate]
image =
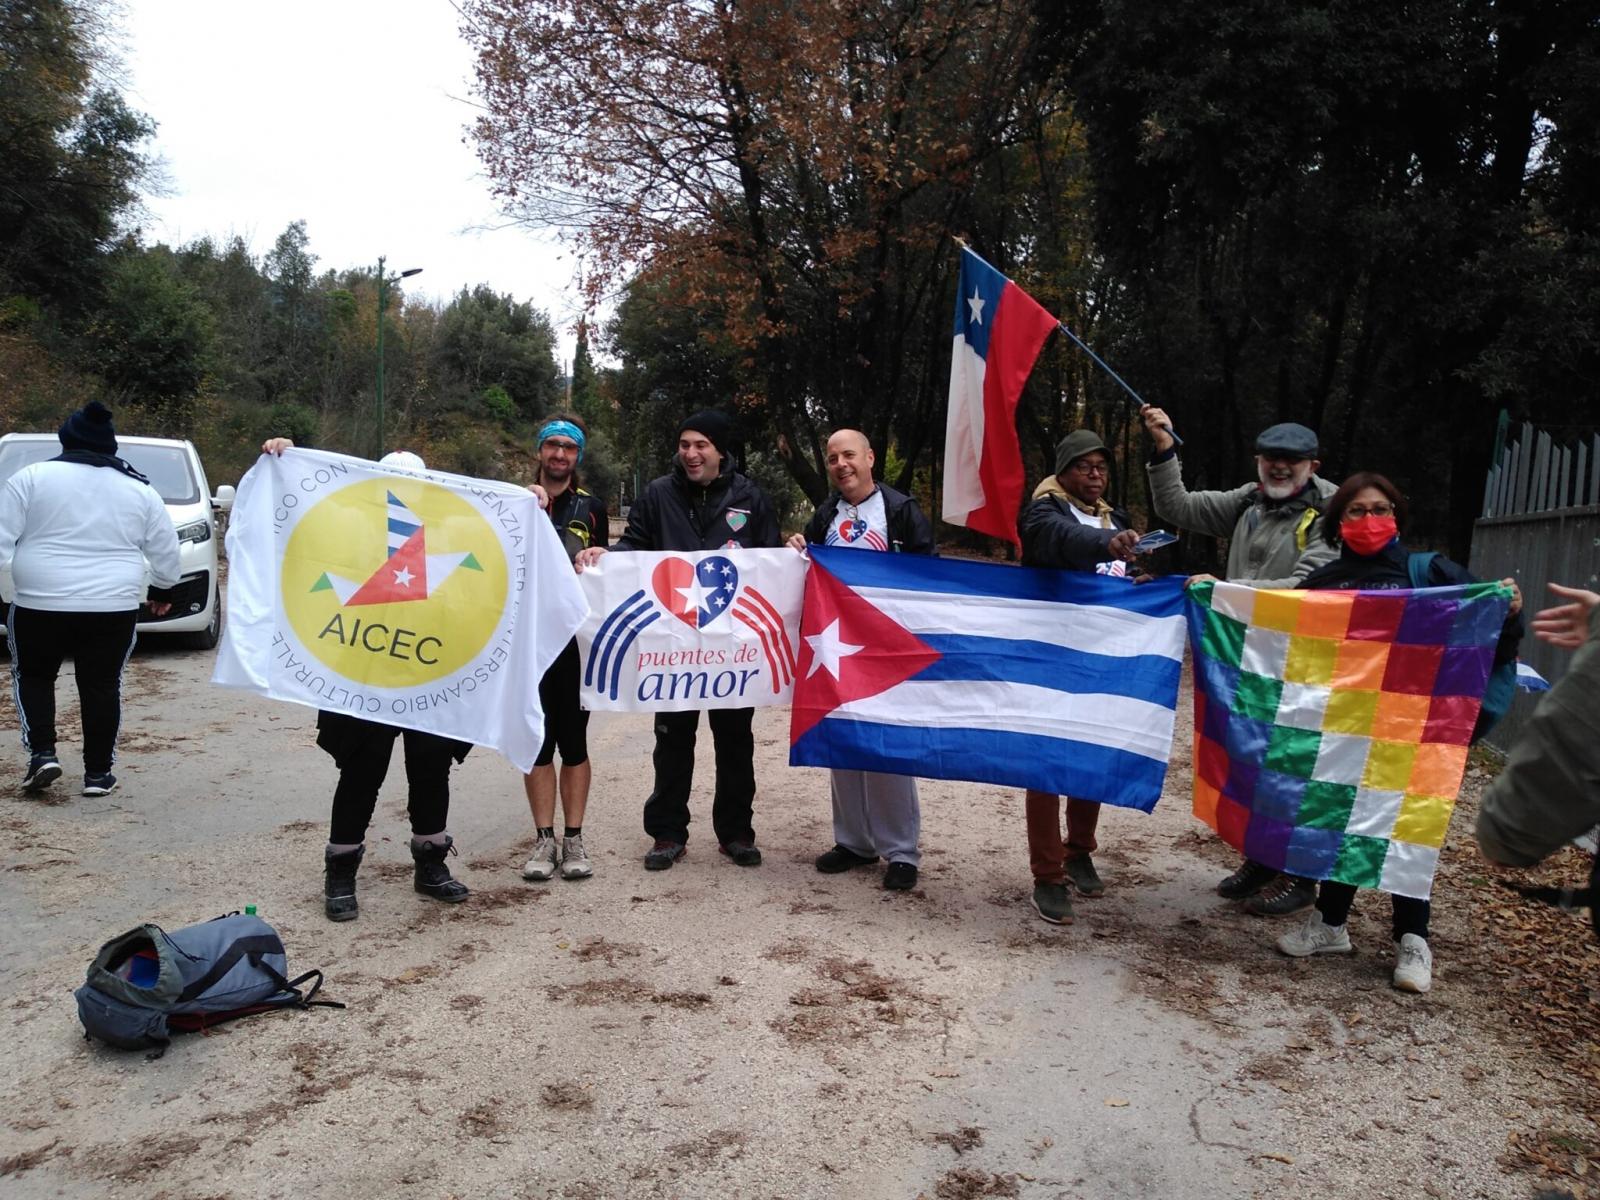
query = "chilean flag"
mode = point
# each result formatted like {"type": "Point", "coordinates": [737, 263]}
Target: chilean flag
{"type": "Point", "coordinates": [1000, 330]}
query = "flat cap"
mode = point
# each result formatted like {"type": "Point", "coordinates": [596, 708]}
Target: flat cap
{"type": "Point", "coordinates": [1287, 440]}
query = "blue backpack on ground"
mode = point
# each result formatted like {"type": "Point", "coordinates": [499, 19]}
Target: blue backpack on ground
{"type": "Point", "coordinates": [148, 983]}
{"type": "Point", "coordinates": [1502, 687]}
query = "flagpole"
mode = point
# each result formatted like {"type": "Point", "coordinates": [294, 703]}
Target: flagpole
{"type": "Point", "coordinates": [1061, 325]}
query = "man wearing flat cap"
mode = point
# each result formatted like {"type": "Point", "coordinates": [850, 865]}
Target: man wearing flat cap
{"type": "Point", "coordinates": [1274, 527]}
{"type": "Point", "coordinates": [1069, 525]}
{"type": "Point", "coordinates": [77, 532]}
{"type": "Point", "coordinates": [704, 503]}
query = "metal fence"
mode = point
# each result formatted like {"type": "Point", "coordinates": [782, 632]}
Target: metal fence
{"type": "Point", "coordinates": [1541, 524]}
{"type": "Point", "coordinates": [1534, 475]}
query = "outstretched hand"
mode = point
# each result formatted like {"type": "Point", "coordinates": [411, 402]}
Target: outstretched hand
{"type": "Point", "coordinates": [1566, 625]}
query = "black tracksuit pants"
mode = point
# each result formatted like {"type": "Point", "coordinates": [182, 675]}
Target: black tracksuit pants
{"type": "Point", "coordinates": [362, 749]}
{"type": "Point", "coordinates": [666, 812]}
{"type": "Point", "coordinates": [100, 644]}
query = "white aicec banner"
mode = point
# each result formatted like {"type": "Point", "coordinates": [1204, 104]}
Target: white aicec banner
{"type": "Point", "coordinates": [412, 598]}
{"type": "Point", "coordinates": [672, 631]}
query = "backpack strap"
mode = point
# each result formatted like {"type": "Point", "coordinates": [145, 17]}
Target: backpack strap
{"type": "Point", "coordinates": [1302, 529]}
{"type": "Point", "coordinates": [1419, 566]}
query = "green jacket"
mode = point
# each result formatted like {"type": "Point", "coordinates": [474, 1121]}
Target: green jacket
{"type": "Point", "coordinates": [1274, 543]}
{"type": "Point", "coordinates": [1549, 791]}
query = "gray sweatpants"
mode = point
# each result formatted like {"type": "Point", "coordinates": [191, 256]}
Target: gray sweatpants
{"type": "Point", "coordinates": [877, 814]}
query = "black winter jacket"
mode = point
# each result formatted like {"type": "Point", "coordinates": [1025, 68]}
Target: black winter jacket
{"type": "Point", "coordinates": [674, 514]}
{"type": "Point", "coordinates": [909, 530]}
{"type": "Point", "coordinates": [1053, 537]}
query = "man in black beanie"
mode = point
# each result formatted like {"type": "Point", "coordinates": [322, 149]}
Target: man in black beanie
{"type": "Point", "coordinates": [77, 532]}
{"type": "Point", "coordinates": [703, 504]}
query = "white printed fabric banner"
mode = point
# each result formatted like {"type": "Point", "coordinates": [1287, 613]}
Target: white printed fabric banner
{"type": "Point", "coordinates": [706, 629]}
{"type": "Point", "coordinates": [412, 598]}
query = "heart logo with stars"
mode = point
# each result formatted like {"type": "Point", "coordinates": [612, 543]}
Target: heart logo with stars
{"type": "Point", "coordinates": [696, 595]}
{"type": "Point", "coordinates": [852, 530]}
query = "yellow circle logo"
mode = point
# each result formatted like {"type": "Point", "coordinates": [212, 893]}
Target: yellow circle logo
{"type": "Point", "coordinates": [394, 582]}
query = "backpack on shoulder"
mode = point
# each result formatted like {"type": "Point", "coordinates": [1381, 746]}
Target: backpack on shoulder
{"type": "Point", "coordinates": [1502, 687]}
{"type": "Point", "coordinates": [147, 984]}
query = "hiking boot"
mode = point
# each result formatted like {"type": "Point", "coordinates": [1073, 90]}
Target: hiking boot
{"type": "Point", "coordinates": [1287, 895]}
{"type": "Point", "coordinates": [432, 877]}
{"type": "Point", "coordinates": [1051, 901]}
{"type": "Point", "coordinates": [339, 883]}
{"type": "Point", "coordinates": [1413, 968]}
{"type": "Point", "coordinates": [99, 785]}
{"type": "Point", "coordinates": [744, 854]}
{"type": "Point", "coordinates": [575, 862]}
{"type": "Point", "coordinates": [1314, 936]}
{"type": "Point", "coordinates": [900, 877]}
{"type": "Point", "coordinates": [543, 863]}
{"type": "Point", "coordinates": [43, 770]}
{"type": "Point", "coordinates": [663, 854]}
{"type": "Point", "coordinates": [1249, 879]}
{"type": "Point", "coordinates": [1084, 877]}
{"type": "Point", "coordinates": [842, 858]}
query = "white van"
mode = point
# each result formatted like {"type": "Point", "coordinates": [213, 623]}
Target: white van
{"type": "Point", "coordinates": [174, 470]}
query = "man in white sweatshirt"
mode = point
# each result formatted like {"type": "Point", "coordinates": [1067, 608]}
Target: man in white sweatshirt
{"type": "Point", "coordinates": [76, 532]}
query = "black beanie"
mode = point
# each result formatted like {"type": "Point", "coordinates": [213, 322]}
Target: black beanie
{"type": "Point", "coordinates": [89, 429]}
{"type": "Point", "coordinates": [717, 428]}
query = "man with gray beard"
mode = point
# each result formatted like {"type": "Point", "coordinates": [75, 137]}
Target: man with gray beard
{"type": "Point", "coordinates": [1274, 527]}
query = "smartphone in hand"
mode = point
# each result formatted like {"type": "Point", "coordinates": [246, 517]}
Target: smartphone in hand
{"type": "Point", "coordinates": [1154, 540]}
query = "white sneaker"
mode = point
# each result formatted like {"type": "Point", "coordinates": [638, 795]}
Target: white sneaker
{"type": "Point", "coordinates": [1312, 936]}
{"type": "Point", "coordinates": [543, 863]}
{"type": "Point", "coordinates": [575, 862]}
{"type": "Point", "coordinates": [1413, 968]}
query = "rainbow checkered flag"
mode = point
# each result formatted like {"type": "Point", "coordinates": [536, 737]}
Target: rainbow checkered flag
{"type": "Point", "coordinates": [1331, 728]}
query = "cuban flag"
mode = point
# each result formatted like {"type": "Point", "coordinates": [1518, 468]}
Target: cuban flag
{"type": "Point", "coordinates": [999, 332]}
{"type": "Point", "coordinates": [1062, 681]}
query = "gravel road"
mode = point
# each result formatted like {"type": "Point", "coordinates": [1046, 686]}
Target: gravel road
{"type": "Point", "coordinates": [712, 1030]}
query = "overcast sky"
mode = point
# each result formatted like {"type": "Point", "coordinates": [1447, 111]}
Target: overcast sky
{"type": "Point", "coordinates": [347, 114]}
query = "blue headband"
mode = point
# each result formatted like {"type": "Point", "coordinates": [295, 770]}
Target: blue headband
{"type": "Point", "coordinates": [563, 429]}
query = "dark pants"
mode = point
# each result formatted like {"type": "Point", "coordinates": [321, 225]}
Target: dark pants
{"type": "Point", "coordinates": [99, 643]}
{"type": "Point", "coordinates": [362, 750]}
{"type": "Point", "coordinates": [1410, 914]}
{"type": "Point", "coordinates": [566, 721]}
{"type": "Point", "coordinates": [666, 813]}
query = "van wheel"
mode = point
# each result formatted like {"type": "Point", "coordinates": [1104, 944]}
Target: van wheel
{"type": "Point", "coordinates": [207, 638]}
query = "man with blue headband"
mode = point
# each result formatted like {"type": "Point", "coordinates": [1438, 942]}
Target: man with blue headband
{"type": "Point", "coordinates": [580, 518]}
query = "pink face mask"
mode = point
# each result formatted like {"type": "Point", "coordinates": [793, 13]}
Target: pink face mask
{"type": "Point", "coordinates": [1367, 535]}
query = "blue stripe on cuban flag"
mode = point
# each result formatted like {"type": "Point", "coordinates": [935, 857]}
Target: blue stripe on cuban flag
{"type": "Point", "coordinates": [402, 524]}
{"type": "Point", "coordinates": [1061, 681]}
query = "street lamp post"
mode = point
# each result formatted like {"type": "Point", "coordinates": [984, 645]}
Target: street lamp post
{"type": "Point", "coordinates": [383, 300]}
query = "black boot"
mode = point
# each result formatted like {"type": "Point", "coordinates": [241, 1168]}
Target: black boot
{"type": "Point", "coordinates": [433, 878]}
{"type": "Point", "coordinates": [339, 883]}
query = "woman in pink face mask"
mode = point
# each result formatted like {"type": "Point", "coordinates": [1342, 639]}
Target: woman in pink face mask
{"type": "Point", "coordinates": [1364, 519]}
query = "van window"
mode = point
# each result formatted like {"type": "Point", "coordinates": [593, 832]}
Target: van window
{"type": "Point", "coordinates": [167, 467]}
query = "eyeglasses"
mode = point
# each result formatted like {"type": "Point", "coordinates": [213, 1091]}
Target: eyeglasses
{"type": "Point", "coordinates": [1356, 511]}
{"type": "Point", "coordinates": [1087, 468]}
{"type": "Point", "coordinates": [552, 444]}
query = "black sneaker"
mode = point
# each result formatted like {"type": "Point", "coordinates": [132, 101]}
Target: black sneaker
{"type": "Point", "coordinates": [1084, 877]}
{"type": "Point", "coordinates": [1288, 894]}
{"type": "Point", "coordinates": [43, 770]}
{"type": "Point", "coordinates": [841, 858]}
{"type": "Point", "coordinates": [900, 877]}
{"type": "Point", "coordinates": [99, 785]}
{"type": "Point", "coordinates": [1050, 901]}
{"type": "Point", "coordinates": [744, 854]}
{"type": "Point", "coordinates": [1249, 879]}
{"type": "Point", "coordinates": [663, 854]}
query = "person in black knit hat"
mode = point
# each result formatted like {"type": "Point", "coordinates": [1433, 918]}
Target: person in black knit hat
{"type": "Point", "coordinates": [703, 504]}
{"type": "Point", "coordinates": [77, 532]}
